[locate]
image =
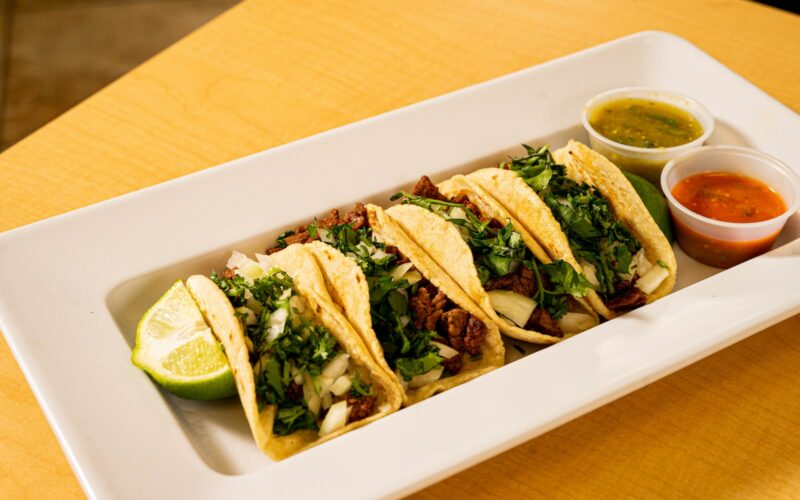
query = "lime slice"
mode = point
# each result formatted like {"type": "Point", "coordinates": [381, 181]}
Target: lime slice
{"type": "Point", "coordinates": [654, 201]}
{"type": "Point", "coordinates": [175, 346]}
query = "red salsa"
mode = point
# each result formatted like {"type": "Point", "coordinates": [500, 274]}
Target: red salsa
{"type": "Point", "coordinates": [730, 198]}
{"type": "Point", "coordinates": [719, 253]}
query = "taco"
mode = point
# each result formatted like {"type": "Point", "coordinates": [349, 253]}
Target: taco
{"type": "Point", "coordinates": [495, 260]}
{"type": "Point", "coordinates": [582, 209]}
{"type": "Point", "coordinates": [303, 374]}
{"type": "Point", "coordinates": [417, 323]}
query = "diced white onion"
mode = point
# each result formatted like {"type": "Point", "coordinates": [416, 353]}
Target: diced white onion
{"type": "Point", "coordinates": [265, 263]}
{"type": "Point", "coordinates": [440, 210]}
{"type": "Point", "coordinates": [650, 281]}
{"type": "Point", "coordinates": [378, 254]}
{"type": "Point", "coordinates": [640, 263]}
{"type": "Point", "coordinates": [245, 267]}
{"type": "Point", "coordinates": [324, 385]}
{"type": "Point", "coordinates": [426, 378]}
{"type": "Point", "coordinates": [457, 213]}
{"type": "Point", "coordinates": [326, 235]}
{"type": "Point", "coordinates": [310, 395]}
{"type": "Point", "coordinates": [250, 271]}
{"type": "Point", "coordinates": [445, 351]}
{"type": "Point", "coordinates": [404, 272]}
{"type": "Point", "coordinates": [573, 322]}
{"type": "Point", "coordinates": [335, 419]}
{"type": "Point", "coordinates": [248, 315]}
{"type": "Point", "coordinates": [590, 272]}
{"type": "Point", "coordinates": [364, 247]}
{"type": "Point", "coordinates": [400, 270]}
{"type": "Point", "coordinates": [327, 400]}
{"type": "Point", "coordinates": [405, 319]}
{"type": "Point", "coordinates": [236, 260]}
{"type": "Point", "coordinates": [276, 323]}
{"type": "Point", "coordinates": [341, 385]}
{"type": "Point", "coordinates": [298, 375]}
{"type": "Point", "coordinates": [412, 277]}
{"type": "Point", "coordinates": [514, 306]}
{"type": "Point", "coordinates": [314, 403]}
{"type": "Point", "coordinates": [336, 367]}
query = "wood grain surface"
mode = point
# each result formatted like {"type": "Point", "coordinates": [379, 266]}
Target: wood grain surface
{"type": "Point", "coordinates": [268, 72]}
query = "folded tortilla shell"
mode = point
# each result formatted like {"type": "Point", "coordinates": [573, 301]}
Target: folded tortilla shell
{"type": "Point", "coordinates": [490, 207]}
{"type": "Point", "coordinates": [219, 313]}
{"type": "Point", "coordinates": [510, 191]}
{"type": "Point", "coordinates": [349, 290]}
{"type": "Point", "coordinates": [442, 241]}
{"type": "Point", "coordinates": [586, 165]}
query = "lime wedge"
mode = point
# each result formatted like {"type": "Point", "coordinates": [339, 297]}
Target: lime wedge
{"type": "Point", "coordinates": [175, 346]}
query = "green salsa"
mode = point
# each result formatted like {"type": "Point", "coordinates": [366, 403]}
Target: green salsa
{"type": "Point", "coordinates": [644, 123]}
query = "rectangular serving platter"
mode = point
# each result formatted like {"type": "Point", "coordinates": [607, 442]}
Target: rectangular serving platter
{"type": "Point", "coordinates": [73, 287]}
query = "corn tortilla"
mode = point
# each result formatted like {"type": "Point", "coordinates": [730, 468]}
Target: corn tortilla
{"type": "Point", "coordinates": [219, 313]}
{"type": "Point", "coordinates": [348, 288]}
{"type": "Point", "coordinates": [442, 241]}
{"type": "Point", "coordinates": [510, 191]}
{"type": "Point", "coordinates": [586, 165]}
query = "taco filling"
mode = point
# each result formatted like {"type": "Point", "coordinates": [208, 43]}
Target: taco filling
{"type": "Point", "coordinates": [298, 366]}
{"type": "Point", "coordinates": [423, 334]}
{"type": "Point", "coordinates": [525, 291]}
{"type": "Point", "coordinates": [612, 259]}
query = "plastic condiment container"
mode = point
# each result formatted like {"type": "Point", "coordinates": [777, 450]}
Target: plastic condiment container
{"type": "Point", "coordinates": [646, 162]}
{"type": "Point", "coordinates": [725, 244]}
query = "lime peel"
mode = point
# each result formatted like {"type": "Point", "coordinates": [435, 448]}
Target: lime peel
{"type": "Point", "coordinates": [176, 347]}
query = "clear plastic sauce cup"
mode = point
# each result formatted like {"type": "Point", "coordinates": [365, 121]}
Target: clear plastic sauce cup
{"type": "Point", "coordinates": [725, 244]}
{"type": "Point", "coordinates": [646, 162]}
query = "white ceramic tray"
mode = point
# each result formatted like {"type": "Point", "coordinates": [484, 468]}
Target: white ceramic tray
{"type": "Point", "coordinates": [73, 287]}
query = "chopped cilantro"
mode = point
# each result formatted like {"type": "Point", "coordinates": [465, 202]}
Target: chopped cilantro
{"type": "Point", "coordinates": [389, 306]}
{"type": "Point", "coordinates": [234, 288]}
{"type": "Point", "coordinates": [499, 251]}
{"type": "Point", "coordinates": [282, 238]}
{"type": "Point", "coordinates": [292, 418]}
{"type": "Point", "coordinates": [594, 233]}
{"type": "Point", "coordinates": [300, 346]}
{"type": "Point", "coordinates": [269, 289]}
{"type": "Point", "coordinates": [410, 367]}
{"type": "Point", "coordinates": [312, 230]}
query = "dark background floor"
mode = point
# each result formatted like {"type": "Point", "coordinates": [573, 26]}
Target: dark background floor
{"type": "Point", "coordinates": [55, 53]}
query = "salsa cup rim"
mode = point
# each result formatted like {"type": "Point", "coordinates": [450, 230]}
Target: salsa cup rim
{"type": "Point", "coordinates": [775, 163]}
{"type": "Point", "coordinates": [699, 109]}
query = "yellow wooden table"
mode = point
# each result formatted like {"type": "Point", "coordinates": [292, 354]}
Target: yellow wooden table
{"type": "Point", "coordinates": [268, 72]}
